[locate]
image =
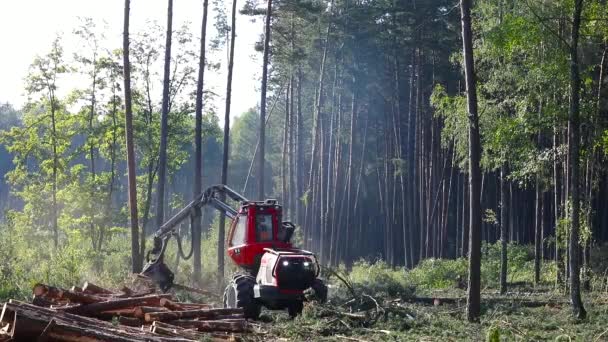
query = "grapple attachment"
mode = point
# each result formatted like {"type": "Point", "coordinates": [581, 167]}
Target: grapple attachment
{"type": "Point", "coordinates": [156, 269]}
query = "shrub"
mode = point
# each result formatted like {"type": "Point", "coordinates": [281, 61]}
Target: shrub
{"type": "Point", "coordinates": [379, 278]}
{"type": "Point", "coordinates": [438, 273]}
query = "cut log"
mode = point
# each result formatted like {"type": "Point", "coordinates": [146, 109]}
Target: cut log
{"type": "Point", "coordinates": [41, 301]}
{"type": "Point", "coordinates": [130, 321]}
{"type": "Point", "coordinates": [177, 332]}
{"type": "Point", "coordinates": [63, 307]}
{"type": "Point", "coordinates": [57, 293]}
{"type": "Point", "coordinates": [46, 291]}
{"type": "Point", "coordinates": [235, 326]}
{"type": "Point", "coordinates": [200, 314]}
{"type": "Point", "coordinates": [172, 330]}
{"type": "Point", "coordinates": [76, 289]}
{"type": "Point", "coordinates": [177, 306]}
{"type": "Point", "coordinates": [126, 291]}
{"type": "Point", "coordinates": [61, 331]}
{"type": "Point", "coordinates": [95, 289]}
{"type": "Point", "coordinates": [142, 293]}
{"type": "Point", "coordinates": [140, 311]}
{"type": "Point", "coordinates": [117, 304]}
{"type": "Point", "coordinates": [32, 320]}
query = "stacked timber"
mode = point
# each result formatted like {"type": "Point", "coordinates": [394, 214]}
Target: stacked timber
{"type": "Point", "coordinates": [93, 313]}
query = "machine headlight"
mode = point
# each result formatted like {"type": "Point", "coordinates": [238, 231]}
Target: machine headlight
{"type": "Point", "coordinates": [306, 264]}
{"type": "Point", "coordinates": [285, 263]}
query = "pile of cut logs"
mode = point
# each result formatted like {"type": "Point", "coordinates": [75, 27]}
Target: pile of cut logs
{"type": "Point", "coordinates": [93, 313]}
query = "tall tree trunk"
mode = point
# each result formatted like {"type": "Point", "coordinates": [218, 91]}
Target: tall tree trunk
{"type": "Point", "coordinates": [411, 155]}
{"type": "Point", "coordinates": [113, 159]}
{"type": "Point", "coordinates": [164, 123]}
{"type": "Point", "coordinates": [349, 173]}
{"type": "Point", "coordinates": [292, 153]}
{"type": "Point", "coordinates": [537, 231]}
{"type": "Point", "coordinates": [299, 153]}
{"type": "Point", "coordinates": [136, 258]}
{"type": "Point", "coordinates": [473, 295]}
{"type": "Point", "coordinates": [198, 157]}
{"type": "Point", "coordinates": [573, 144]}
{"type": "Point", "coordinates": [221, 232]}
{"type": "Point", "coordinates": [92, 147]}
{"type": "Point", "coordinates": [316, 137]}
{"type": "Point", "coordinates": [284, 154]}
{"type": "Point", "coordinates": [262, 156]}
{"type": "Point", "coordinates": [55, 213]}
{"type": "Point", "coordinates": [557, 206]}
{"type": "Point", "coordinates": [503, 229]}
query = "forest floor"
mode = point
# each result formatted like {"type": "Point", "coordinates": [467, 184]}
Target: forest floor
{"type": "Point", "coordinates": [523, 314]}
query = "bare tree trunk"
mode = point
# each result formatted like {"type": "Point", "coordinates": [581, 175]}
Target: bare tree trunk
{"type": "Point", "coordinates": [284, 152]}
{"type": "Point", "coordinates": [221, 232]}
{"type": "Point", "coordinates": [349, 173]}
{"type": "Point", "coordinates": [411, 159]}
{"type": "Point", "coordinates": [458, 211]}
{"type": "Point", "coordinates": [113, 147]}
{"type": "Point", "coordinates": [537, 231]}
{"type": "Point", "coordinates": [164, 123]}
{"type": "Point", "coordinates": [299, 162]}
{"type": "Point", "coordinates": [262, 154]}
{"type": "Point", "coordinates": [55, 209]}
{"type": "Point", "coordinates": [503, 229]}
{"type": "Point", "coordinates": [136, 258]}
{"type": "Point", "coordinates": [573, 144]}
{"type": "Point", "coordinates": [293, 198]}
{"type": "Point", "coordinates": [92, 146]}
{"type": "Point", "coordinates": [335, 211]}
{"type": "Point", "coordinates": [473, 294]}
{"type": "Point", "coordinates": [198, 157]}
{"type": "Point", "coordinates": [557, 206]}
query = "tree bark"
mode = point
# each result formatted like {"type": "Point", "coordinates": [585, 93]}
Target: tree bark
{"type": "Point", "coordinates": [261, 155]}
{"type": "Point", "coordinates": [164, 123]}
{"type": "Point", "coordinates": [473, 294]}
{"type": "Point", "coordinates": [198, 157]}
{"type": "Point", "coordinates": [136, 258]}
{"type": "Point", "coordinates": [573, 149]}
{"type": "Point", "coordinates": [221, 232]}
{"type": "Point", "coordinates": [503, 229]}
{"type": "Point", "coordinates": [537, 231]}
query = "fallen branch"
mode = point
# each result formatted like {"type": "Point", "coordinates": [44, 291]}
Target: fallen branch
{"type": "Point", "coordinates": [199, 314]}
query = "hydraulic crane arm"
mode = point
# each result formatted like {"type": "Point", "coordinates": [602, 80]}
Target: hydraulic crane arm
{"type": "Point", "coordinates": [214, 196]}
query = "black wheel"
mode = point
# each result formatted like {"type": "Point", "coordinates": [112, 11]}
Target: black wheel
{"type": "Point", "coordinates": [239, 294]}
{"type": "Point", "coordinates": [295, 308]}
{"type": "Point", "coordinates": [320, 290]}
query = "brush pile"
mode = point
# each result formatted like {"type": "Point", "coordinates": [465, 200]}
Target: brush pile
{"type": "Point", "coordinates": [93, 313]}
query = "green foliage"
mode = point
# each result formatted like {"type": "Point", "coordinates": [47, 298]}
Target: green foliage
{"type": "Point", "coordinates": [433, 274]}
{"type": "Point", "coordinates": [438, 273]}
{"type": "Point", "coordinates": [493, 335]}
{"type": "Point", "coordinates": [379, 279]}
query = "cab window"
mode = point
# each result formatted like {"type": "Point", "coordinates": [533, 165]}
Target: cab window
{"type": "Point", "coordinates": [263, 227]}
{"type": "Point", "coordinates": [240, 231]}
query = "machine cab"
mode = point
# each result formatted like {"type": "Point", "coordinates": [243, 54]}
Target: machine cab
{"type": "Point", "coordinates": [257, 225]}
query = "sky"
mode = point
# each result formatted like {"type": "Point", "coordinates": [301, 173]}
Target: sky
{"type": "Point", "coordinates": [28, 27]}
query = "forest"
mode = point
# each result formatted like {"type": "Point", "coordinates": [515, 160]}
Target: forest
{"type": "Point", "coordinates": [446, 161]}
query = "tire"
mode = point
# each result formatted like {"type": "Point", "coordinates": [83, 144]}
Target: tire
{"type": "Point", "coordinates": [320, 291]}
{"type": "Point", "coordinates": [239, 294]}
{"type": "Point", "coordinates": [295, 308]}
